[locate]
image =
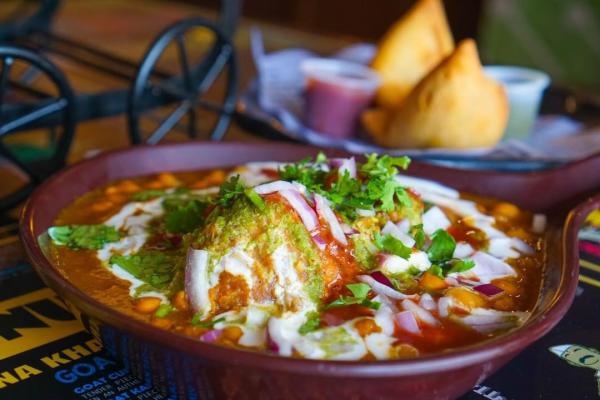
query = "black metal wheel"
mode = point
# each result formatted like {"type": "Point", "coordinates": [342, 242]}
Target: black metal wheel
{"type": "Point", "coordinates": [20, 17]}
{"type": "Point", "coordinates": [23, 103]}
{"type": "Point", "coordinates": [187, 82]}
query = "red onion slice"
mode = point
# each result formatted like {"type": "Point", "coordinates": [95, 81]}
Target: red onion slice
{"type": "Point", "coordinates": [211, 336]}
{"type": "Point", "coordinates": [384, 290]}
{"type": "Point", "coordinates": [381, 278]}
{"type": "Point", "coordinates": [328, 215]}
{"type": "Point", "coordinates": [299, 204]}
{"type": "Point", "coordinates": [488, 289]}
{"type": "Point", "coordinates": [407, 322]}
{"type": "Point", "coordinates": [275, 186]}
{"type": "Point", "coordinates": [319, 241]}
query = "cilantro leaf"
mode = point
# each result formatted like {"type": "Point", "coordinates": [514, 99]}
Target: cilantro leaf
{"type": "Point", "coordinates": [229, 190]}
{"type": "Point", "coordinates": [436, 270]}
{"type": "Point", "coordinates": [418, 235]}
{"type": "Point", "coordinates": [384, 166]}
{"type": "Point", "coordinates": [196, 321]}
{"type": "Point", "coordinates": [184, 217]}
{"type": "Point", "coordinates": [461, 266]}
{"type": "Point", "coordinates": [255, 198]}
{"type": "Point", "coordinates": [146, 195]}
{"type": "Point", "coordinates": [155, 268]}
{"type": "Point", "coordinates": [313, 322]}
{"type": "Point", "coordinates": [391, 245]}
{"type": "Point", "coordinates": [305, 173]}
{"type": "Point", "coordinates": [442, 246]}
{"type": "Point", "coordinates": [91, 237]}
{"type": "Point", "coordinates": [360, 292]}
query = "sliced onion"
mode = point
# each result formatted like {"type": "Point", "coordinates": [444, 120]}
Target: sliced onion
{"type": "Point", "coordinates": [487, 321]}
{"type": "Point", "coordinates": [348, 165]}
{"type": "Point", "coordinates": [196, 286]}
{"type": "Point", "coordinates": [392, 229]}
{"type": "Point", "coordinates": [328, 215]}
{"type": "Point", "coordinates": [391, 263]}
{"type": "Point", "coordinates": [488, 268]}
{"type": "Point", "coordinates": [521, 246]}
{"type": "Point", "coordinates": [361, 212]}
{"type": "Point", "coordinates": [348, 230]}
{"type": "Point", "coordinates": [435, 219]}
{"type": "Point", "coordinates": [488, 289]}
{"type": "Point", "coordinates": [427, 302]}
{"type": "Point", "coordinates": [420, 312]}
{"type": "Point", "coordinates": [381, 278]}
{"type": "Point", "coordinates": [299, 204]}
{"type": "Point", "coordinates": [319, 241]}
{"type": "Point", "coordinates": [275, 186]}
{"type": "Point", "coordinates": [211, 336]}
{"type": "Point", "coordinates": [407, 322]}
{"type": "Point", "coordinates": [444, 304]}
{"type": "Point", "coordinates": [384, 290]}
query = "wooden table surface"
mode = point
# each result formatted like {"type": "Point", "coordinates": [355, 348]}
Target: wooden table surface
{"type": "Point", "coordinates": [126, 28]}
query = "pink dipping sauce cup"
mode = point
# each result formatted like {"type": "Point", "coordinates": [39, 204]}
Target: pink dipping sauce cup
{"type": "Point", "coordinates": [335, 94]}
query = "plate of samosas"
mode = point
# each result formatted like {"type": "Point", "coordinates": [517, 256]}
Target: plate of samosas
{"type": "Point", "coordinates": [433, 100]}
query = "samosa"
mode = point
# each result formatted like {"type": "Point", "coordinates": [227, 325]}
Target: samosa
{"type": "Point", "coordinates": [455, 106]}
{"type": "Point", "coordinates": [411, 48]}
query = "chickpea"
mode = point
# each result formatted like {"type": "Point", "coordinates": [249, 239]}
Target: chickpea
{"type": "Point", "coordinates": [180, 301]}
{"type": "Point", "coordinates": [366, 326]}
{"type": "Point", "coordinates": [232, 334]}
{"type": "Point", "coordinates": [506, 210]}
{"type": "Point", "coordinates": [404, 351]}
{"type": "Point", "coordinates": [214, 178]}
{"type": "Point", "coordinates": [147, 305]}
{"type": "Point", "coordinates": [168, 179]}
{"type": "Point", "coordinates": [162, 323]}
{"type": "Point", "coordinates": [466, 297]}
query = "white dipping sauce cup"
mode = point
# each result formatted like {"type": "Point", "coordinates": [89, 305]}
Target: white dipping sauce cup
{"type": "Point", "coordinates": [524, 87]}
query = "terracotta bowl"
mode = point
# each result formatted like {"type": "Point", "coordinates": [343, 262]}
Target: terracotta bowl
{"type": "Point", "coordinates": [186, 368]}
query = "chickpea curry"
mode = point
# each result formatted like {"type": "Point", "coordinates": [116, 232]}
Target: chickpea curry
{"type": "Point", "coordinates": [322, 259]}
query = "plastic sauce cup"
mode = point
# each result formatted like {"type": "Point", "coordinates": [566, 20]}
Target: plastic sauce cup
{"type": "Point", "coordinates": [524, 88]}
{"type": "Point", "coordinates": [335, 94]}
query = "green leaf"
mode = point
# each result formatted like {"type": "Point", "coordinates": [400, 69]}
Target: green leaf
{"type": "Point", "coordinates": [184, 217]}
{"type": "Point", "coordinates": [442, 246]}
{"type": "Point", "coordinates": [391, 245]}
{"type": "Point", "coordinates": [146, 195]}
{"type": "Point", "coordinates": [418, 234]}
{"type": "Point", "coordinates": [156, 268]}
{"type": "Point", "coordinates": [196, 321]}
{"type": "Point", "coordinates": [436, 270]}
{"type": "Point", "coordinates": [387, 198]}
{"type": "Point", "coordinates": [91, 237]}
{"type": "Point", "coordinates": [229, 190]}
{"type": "Point", "coordinates": [321, 158]}
{"type": "Point", "coordinates": [313, 322]}
{"type": "Point", "coordinates": [255, 198]}
{"type": "Point", "coordinates": [163, 310]}
{"type": "Point", "coordinates": [461, 266]}
{"type": "Point", "coordinates": [359, 290]}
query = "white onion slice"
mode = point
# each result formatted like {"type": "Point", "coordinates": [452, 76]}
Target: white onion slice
{"type": "Point", "coordinates": [435, 219]}
{"type": "Point", "coordinates": [328, 215]}
{"type": "Point", "coordinates": [384, 290]}
{"type": "Point", "coordinates": [347, 165]}
{"type": "Point", "coordinates": [299, 204]}
{"type": "Point", "coordinates": [487, 321]}
{"type": "Point", "coordinates": [521, 246]}
{"type": "Point", "coordinates": [275, 186]}
{"type": "Point", "coordinates": [426, 186]}
{"type": "Point", "coordinates": [391, 229]}
{"type": "Point", "coordinates": [361, 212]}
{"type": "Point", "coordinates": [196, 280]}
{"type": "Point", "coordinates": [488, 268]}
{"type": "Point", "coordinates": [420, 313]}
{"type": "Point", "coordinates": [444, 303]}
{"type": "Point", "coordinates": [427, 302]}
{"type": "Point", "coordinates": [406, 321]}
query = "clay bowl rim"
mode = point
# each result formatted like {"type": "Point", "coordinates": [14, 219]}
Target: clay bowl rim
{"type": "Point", "coordinates": [487, 350]}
